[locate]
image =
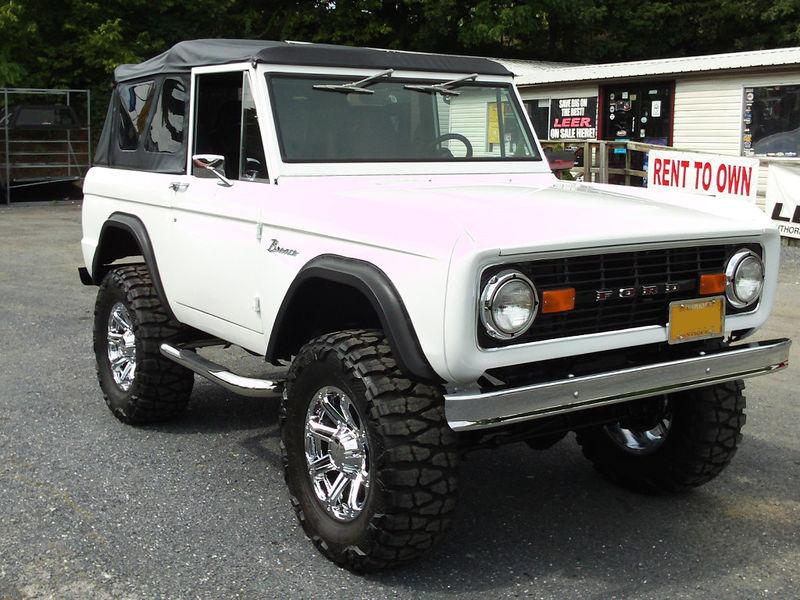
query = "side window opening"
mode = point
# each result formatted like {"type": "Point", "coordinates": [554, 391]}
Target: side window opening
{"type": "Point", "coordinates": [227, 126]}
{"type": "Point", "coordinates": [135, 101]}
{"type": "Point", "coordinates": [218, 126]}
{"type": "Point", "coordinates": [168, 124]}
{"type": "Point", "coordinates": [253, 166]}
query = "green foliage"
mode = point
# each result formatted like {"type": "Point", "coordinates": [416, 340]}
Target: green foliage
{"type": "Point", "coordinates": [13, 26]}
{"type": "Point", "coordinates": [77, 43]}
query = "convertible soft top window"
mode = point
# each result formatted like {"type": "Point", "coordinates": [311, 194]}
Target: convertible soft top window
{"type": "Point", "coordinates": [318, 120]}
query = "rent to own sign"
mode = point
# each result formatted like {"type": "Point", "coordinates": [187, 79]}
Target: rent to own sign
{"type": "Point", "coordinates": [706, 174]}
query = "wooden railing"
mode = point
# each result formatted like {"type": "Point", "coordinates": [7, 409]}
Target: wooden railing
{"type": "Point", "coordinates": [596, 167]}
{"type": "Point", "coordinates": [596, 158]}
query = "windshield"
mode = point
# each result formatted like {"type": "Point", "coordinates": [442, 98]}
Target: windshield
{"type": "Point", "coordinates": [321, 120]}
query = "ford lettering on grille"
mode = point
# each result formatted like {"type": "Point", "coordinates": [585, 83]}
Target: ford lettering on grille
{"type": "Point", "coordinates": [631, 292]}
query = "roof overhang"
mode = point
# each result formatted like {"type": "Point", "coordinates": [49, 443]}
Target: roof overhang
{"type": "Point", "coordinates": [669, 67]}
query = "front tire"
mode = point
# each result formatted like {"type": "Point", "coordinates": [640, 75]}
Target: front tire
{"type": "Point", "coordinates": [686, 446]}
{"type": "Point", "coordinates": [130, 322]}
{"type": "Point", "coordinates": [369, 460]}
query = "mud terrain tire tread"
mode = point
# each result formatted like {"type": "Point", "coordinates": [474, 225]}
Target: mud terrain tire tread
{"type": "Point", "coordinates": [161, 387]}
{"type": "Point", "coordinates": [416, 468]}
{"type": "Point", "coordinates": [704, 438]}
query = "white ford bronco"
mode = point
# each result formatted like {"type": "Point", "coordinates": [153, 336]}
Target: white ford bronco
{"type": "Point", "coordinates": [382, 229]}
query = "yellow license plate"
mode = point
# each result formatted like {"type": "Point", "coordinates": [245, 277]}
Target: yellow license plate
{"type": "Point", "coordinates": [698, 319]}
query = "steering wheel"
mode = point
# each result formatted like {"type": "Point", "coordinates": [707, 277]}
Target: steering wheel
{"type": "Point", "coordinates": [437, 143]}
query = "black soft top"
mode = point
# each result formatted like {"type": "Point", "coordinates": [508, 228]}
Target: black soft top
{"type": "Point", "coordinates": [183, 56]}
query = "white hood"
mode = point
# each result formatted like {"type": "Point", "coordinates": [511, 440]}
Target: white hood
{"type": "Point", "coordinates": [515, 214]}
{"type": "Point", "coordinates": [567, 216]}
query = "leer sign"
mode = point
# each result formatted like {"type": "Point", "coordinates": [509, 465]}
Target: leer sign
{"type": "Point", "coordinates": [706, 174]}
{"type": "Point", "coordinates": [783, 181]}
{"type": "Point", "coordinates": [573, 118]}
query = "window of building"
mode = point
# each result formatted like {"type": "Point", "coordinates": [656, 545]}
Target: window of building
{"type": "Point", "coordinates": [771, 121]}
{"type": "Point", "coordinates": [167, 127]}
{"type": "Point", "coordinates": [564, 118]}
{"type": "Point", "coordinates": [135, 104]}
{"type": "Point", "coordinates": [504, 132]}
{"type": "Point", "coordinates": [539, 111]}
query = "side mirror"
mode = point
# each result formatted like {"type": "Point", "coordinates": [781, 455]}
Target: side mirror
{"type": "Point", "coordinates": [214, 163]}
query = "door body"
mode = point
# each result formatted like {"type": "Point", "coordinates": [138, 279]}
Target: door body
{"type": "Point", "coordinates": [218, 259]}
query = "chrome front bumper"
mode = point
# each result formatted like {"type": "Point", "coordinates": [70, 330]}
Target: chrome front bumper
{"type": "Point", "coordinates": [469, 411]}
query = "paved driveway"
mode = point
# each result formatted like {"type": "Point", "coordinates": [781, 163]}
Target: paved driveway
{"type": "Point", "coordinates": [90, 508]}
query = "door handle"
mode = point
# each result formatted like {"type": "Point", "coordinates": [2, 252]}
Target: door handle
{"type": "Point", "coordinates": [178, 186]}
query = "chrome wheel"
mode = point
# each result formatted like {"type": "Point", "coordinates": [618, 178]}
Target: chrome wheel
{"type": "Point", "coordinates": [640, 441]}
{"type": "Point", "coordinates": [121, 346]}
{"type": "Point", "coordinates": [337, 453]}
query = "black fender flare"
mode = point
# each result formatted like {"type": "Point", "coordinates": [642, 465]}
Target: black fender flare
{"type": "Point", "coordinates": [133, 225]}
{"type": "Point", "coordinates": [376, 286]}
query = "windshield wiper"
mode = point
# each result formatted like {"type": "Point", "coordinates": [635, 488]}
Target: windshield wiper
{"type": "Point", "coordinates": [355, 87]}
{"type": "Point", "coordinates": [445, 89]}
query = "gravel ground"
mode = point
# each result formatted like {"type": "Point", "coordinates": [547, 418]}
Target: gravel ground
{"type": "Point", "coordinates": [91, 508]}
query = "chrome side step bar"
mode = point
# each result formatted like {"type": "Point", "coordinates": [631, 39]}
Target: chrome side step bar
{"type": "Point", "coordinates": [467, 410]}
{"type": "Point", "coordinates": [244, 386]}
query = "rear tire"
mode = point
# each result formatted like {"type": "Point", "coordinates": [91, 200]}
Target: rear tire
{"type": "Point", "coordinates": [130, 322]}
{"type": "Point", "coordinates": [406, 455]}
{"type": "Point", "coordinates": [702, 438]}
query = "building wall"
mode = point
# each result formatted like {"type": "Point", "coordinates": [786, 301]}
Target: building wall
{"type": "Point", "coordinates": [469, 115]}
{"type": "Point", "coordinates": [708, 108]}
{"type": "Point", "coordinates": [468, 119]}
{"type": "Point", "coordinates": [708, 112]}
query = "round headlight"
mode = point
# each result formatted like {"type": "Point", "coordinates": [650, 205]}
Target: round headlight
{"type": "Point", "coordinates": [508, 305]}
{"type": "Point", "coordinates": [745, 278]}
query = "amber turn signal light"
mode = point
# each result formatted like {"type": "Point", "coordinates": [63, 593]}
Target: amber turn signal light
{"type": "Point", "coordinates": [554, 301]}
{"type": "Point", "coordinates": [712, 284]}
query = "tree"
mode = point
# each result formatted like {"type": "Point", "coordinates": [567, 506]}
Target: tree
{"type": "Point", "coordinates": [77, 43]}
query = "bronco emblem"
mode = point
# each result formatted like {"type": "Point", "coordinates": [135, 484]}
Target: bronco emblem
{"type": "Point", "coordinates": [274, 247]}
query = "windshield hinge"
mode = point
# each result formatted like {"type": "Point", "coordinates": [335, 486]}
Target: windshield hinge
{"type": "Point", "coordinates": [442, 88]}
{"type": "Point", "coordinates": [356, 87]}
